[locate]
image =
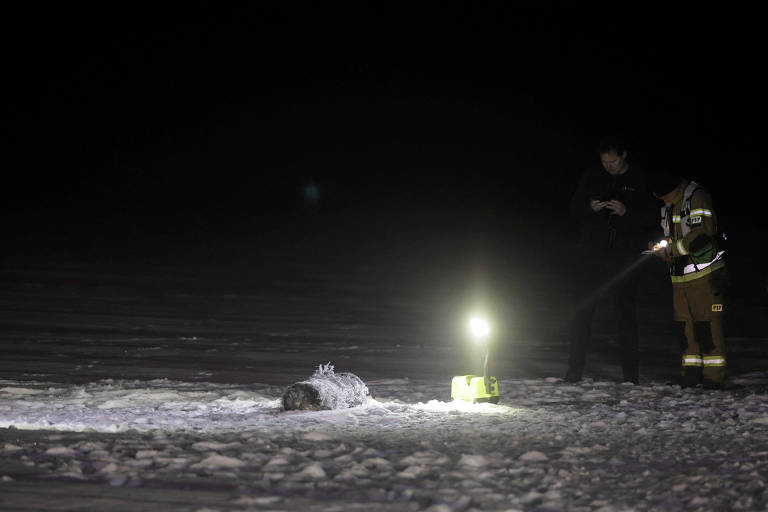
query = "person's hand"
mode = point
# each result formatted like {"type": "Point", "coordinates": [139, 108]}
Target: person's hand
{"type": "Point", "coordinates": [596, 205]}
{"type": "Point", "coordinates": [616, 207]}
{"type": "Point", "coordinates": [660, 252]}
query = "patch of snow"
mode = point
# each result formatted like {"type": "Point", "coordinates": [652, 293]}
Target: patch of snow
{"type": "Point", "coordinates": [218, 461]}
{"type": "Point", "coordinates": [534, 456]}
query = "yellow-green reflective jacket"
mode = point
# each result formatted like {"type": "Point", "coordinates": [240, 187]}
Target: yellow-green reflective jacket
{"type": "Point", "coordinates": [690, 222]}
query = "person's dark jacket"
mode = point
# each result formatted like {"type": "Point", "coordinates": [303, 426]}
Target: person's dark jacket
{"type": "Point", "coordinates": [602, 232]}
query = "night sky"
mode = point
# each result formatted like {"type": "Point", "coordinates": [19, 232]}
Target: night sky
{"type": "Point", "coordinates": [136, 111]}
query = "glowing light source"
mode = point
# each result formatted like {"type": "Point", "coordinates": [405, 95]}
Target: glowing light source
{"type": "Point", "coordinates": [657, 247]}
{"type": "Point", "coordinates": [479, 328]}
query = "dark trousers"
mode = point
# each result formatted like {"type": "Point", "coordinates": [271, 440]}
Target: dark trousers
{"type": "Point", "coordinates": [614, 278]}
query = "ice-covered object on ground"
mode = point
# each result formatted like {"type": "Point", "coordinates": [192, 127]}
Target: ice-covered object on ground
{"type": "Point", "coordinates": [326, 389]}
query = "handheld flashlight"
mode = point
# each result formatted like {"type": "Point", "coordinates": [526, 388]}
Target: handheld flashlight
{"type": "Point", "coordinates": [657, 247]}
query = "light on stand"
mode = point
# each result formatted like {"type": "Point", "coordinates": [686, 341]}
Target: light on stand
{"type": "Point", "coordinates": [476, 388]}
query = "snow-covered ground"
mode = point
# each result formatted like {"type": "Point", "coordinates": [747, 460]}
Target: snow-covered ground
{"type": "Point", "coordinates": [155, 384]}
{"type": "Point", "coordinates": [550, 446]}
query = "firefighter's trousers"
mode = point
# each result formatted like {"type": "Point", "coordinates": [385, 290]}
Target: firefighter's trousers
{"type": "Point", "coordinates": [699, 305]}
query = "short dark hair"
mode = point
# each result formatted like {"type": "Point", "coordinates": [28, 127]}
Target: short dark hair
{"type": "Point", "coordinates": [611, 144]}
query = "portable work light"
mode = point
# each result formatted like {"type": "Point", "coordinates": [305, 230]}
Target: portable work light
{"type": "Point", "coordinates": [477, 388]}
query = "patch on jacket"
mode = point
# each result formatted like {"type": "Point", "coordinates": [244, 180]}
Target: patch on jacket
{"type": "Point", "coordinates": [696, 219]}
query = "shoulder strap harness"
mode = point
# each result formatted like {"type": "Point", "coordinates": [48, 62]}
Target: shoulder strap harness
{"type": "Point", "coordinates": [668, 219]}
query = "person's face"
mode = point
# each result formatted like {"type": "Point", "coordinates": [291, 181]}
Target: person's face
{"type": "Point", "coordinates": [614, 163]}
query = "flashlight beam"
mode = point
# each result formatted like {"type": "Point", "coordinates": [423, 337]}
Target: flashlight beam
{"type": "Point", "coordinates": [613, 280]}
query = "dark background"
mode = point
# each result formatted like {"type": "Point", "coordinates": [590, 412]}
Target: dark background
{"type": "Point", "coordinates": [132, 119]}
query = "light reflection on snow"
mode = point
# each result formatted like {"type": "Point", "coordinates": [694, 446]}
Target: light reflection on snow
{"type": "Point", "coordinates": [468, 407]}
{"type": "Point", "coordinates": [114, 406]}
{"type": "Point", "coordinates": [118, 406]}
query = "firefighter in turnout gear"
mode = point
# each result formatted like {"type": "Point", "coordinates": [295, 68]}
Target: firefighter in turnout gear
{"type": "Point", "coordinates": [695, 254]}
